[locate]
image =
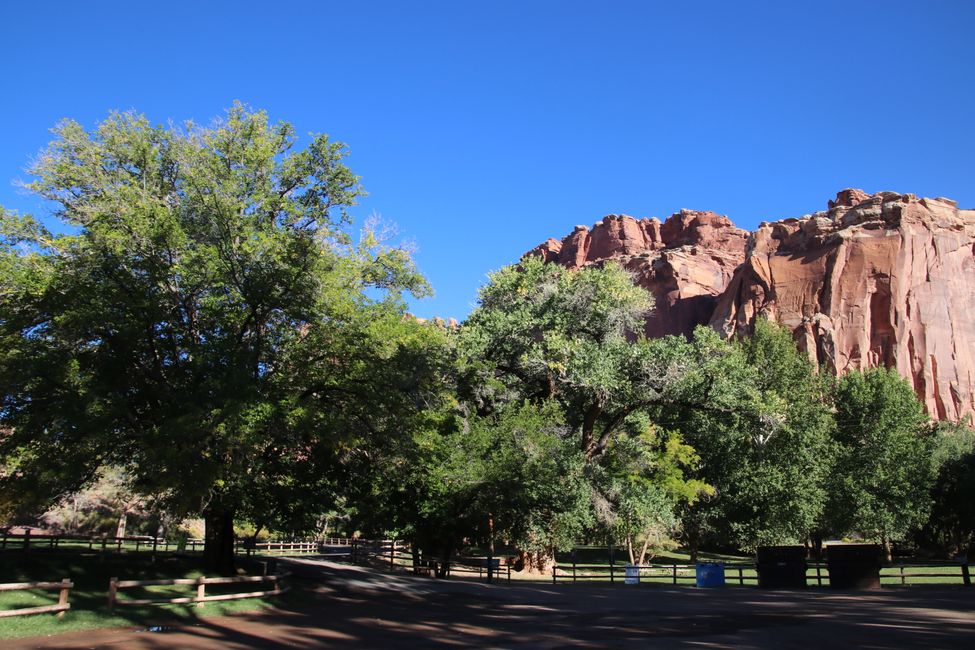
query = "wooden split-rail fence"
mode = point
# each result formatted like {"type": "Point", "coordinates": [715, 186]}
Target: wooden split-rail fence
{"type": "Point", "coordinates": [743, 573]}
{"type": "Point", "coordinates": [200, 583]}
{"type": "Point", "coordinates": [60, 608]}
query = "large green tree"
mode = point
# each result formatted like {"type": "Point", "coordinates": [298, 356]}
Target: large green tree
{"type": "Point", "coordinates": [201, 318]}
{"type": "Point", "coordinates": [549, 335]}
{"type": "Point", "coordinates": [762, 435]}
{"type": "Point", "coordinates": [881, 484]}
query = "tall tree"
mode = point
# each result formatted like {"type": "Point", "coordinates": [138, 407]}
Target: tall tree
{"type": "Point", "coordinates": [763, 441]}
{"type": "Point", "coordinates": [884, 473]}
{"type": "Point", "coordinates": [547, 335]}
{"type": "Point", "coordinates": [205, 321]}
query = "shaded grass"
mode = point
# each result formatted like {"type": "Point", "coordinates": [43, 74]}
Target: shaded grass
{"type": "Point", "coordinates": [89, 597]}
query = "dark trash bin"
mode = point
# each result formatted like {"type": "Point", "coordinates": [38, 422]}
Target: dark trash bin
{"type": "Point", "coordinates": [853, 566]}
{"type": "Point", "coordinates": [710, 574]}
{"type": "Point", "coordinates": [781, 567]}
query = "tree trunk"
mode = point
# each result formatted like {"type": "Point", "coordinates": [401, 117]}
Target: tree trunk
{"type": "Point", "coordinates": [218, 544]}
{"type": "Point", "coordinates": [123, 519]}
{"type": "Point", "coordinates": [817, 545]}
{"type": "Point", "coordinates": [538, 563]}
{"type": "Point", "coordinates": [693, 544]}
{"type": "Point", "coordinates": [888, 549]}
{"type": "Point", "coordinates": [444, 565]}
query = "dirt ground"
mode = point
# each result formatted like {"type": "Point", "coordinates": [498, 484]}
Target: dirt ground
{"type": "Point", "coordinates": [353, 607]}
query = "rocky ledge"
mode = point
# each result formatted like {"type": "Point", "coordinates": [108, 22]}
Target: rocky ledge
{"type": "Point", "coordinates": [876, 279]}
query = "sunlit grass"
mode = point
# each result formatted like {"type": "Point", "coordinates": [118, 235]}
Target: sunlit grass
{"type": "Point", "coordinates": [89, 597]}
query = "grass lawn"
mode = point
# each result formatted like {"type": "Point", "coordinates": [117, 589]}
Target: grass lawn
{"type": "Point", "coordinates": [89, 597]}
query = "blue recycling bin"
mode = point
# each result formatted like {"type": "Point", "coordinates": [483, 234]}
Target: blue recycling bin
{"type": "Point", "coordinates": [710, 574]}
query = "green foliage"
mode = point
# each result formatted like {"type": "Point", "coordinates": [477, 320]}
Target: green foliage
{"type": "Point", "coordinates": [644, 482]}
{"type": "Point", "coordinates": [761, 429]}
{"type": "Point", "coordinates": [544, 332]}
{"type": "Point", "coordinates": [951, 525]}
{"type": "Point", "coordinates": [535, 488]}
{"type": "Point", "coordinates": [569, 340]}
{"type": "Point", "coordinates": [884, 473]}
{"type": "Point", "coordinates": [208, 324]}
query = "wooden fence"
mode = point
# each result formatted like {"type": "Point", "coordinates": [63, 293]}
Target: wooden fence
{"type": "Point", "coordinates": [278, 548]}
{"type": "Point", "coordinates": [393, 555]}
{"type": "Point", "coordinates": [672, 573]}
{"type": "Point", "coordinates": [200, 583]}
{"type": "Point", "coordinates": [743, 573]}
{"type": "Point", "coordinates": [28, 542]}
{"type": "Point", "coordinates": [62, 606]}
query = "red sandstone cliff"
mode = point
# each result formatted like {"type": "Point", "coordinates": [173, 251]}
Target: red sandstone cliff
{"type": "Point", "coordinates": [685, 262]}
{"type": "Point", "coordinates": [884, 279]}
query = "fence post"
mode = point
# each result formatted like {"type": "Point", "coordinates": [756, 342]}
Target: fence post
{"type": "Point", "coordinates": [611, 576]}
{"type": "Point", "coordinates": [965, 576]}
{"type": "Point", "coordinates": [201, 588]}
{"type": "Point", "coordinates": [741, 576]}
{"type": "Point", "coordinates": [155, 542]}
{"type": "Point", "coordinates": [63, 596]}
{"type": "Point", "coordinates": [573, 566]}
{"type": "Point", "coordinates": [112, 593]}
{"type": "Point", "coordinates": [902, 575]}
{"type": "Point", "coordinates": [554, 566]}
{"type": "Point", "coordinates": [819, 574]}
{"type": "Point", "coordinates": [675, 572]}
{"type": "Point", "coordinates": [392, 553]}
{"type": "Point", "coordinates": [27, 540]}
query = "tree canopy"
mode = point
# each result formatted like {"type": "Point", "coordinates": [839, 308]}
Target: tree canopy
{"type": "Point", "coordinates": [203, 319]}
{"type": "Point", "coordinates": [203, 330]}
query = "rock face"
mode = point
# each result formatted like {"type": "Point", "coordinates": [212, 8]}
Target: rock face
{"type": "Point", "coordinates": [685, 262]}
{"type": "Point", "coordinates": [884, 279]}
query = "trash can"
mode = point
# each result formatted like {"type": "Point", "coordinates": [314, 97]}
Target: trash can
{"type": "Point", "coordinates": [781, 567]}
{"type": "Point", "coordinates": [853, 566]}
{"type": "Point", "coordinates": [710, 574]}
{"type": "Point", "coordinates": [632, 575]}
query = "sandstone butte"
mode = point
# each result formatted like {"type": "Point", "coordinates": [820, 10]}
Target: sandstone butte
{"type": "Point", "coordinates": [883, 279]}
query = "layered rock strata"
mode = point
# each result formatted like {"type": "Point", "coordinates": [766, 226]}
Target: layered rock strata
{"type": "Point", "coordinates": [885, 279]}
{"type": "Point", "coordinates": [685, 262]}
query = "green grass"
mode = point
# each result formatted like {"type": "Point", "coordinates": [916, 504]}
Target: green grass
{"type": "Point", "coordinates": [599, 555]}
{"type": "Point", "coordinates": [89, 597]}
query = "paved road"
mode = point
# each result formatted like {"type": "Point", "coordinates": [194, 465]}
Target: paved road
{"type": "Point", "coordinates": [354, 607]}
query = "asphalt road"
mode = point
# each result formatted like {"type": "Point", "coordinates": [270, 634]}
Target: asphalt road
{"type": "Point", "coordinates": [356, 607]}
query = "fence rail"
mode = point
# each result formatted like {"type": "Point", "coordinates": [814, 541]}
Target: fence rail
{"type": "Point", "coordinates": [115, 585]}
{"type": "Point", "coordinates": [743, 573]}
{"type": "Point", "coordinates": [62, 606]}
{"type": "Point", "coordinates": [28, 542]}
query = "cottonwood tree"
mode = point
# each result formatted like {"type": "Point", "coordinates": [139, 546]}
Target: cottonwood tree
{"type": "Point", "coordinates": [203, 319]}
{"type": "Point", "coordinates": [881, 485]}
{"type": "Point", "coordinates": [547, 335]}
{"type": "Point", "coordinates": [762, 436]}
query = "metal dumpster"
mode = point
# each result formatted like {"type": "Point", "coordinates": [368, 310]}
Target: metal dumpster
{"type": "Point", "coordinates": [853, 566]}
{"type": "Point", "coordinates": [781, 567]}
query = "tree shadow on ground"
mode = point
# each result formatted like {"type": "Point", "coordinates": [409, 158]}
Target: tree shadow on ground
{"type": "Point", "coordinates": [354, 606]}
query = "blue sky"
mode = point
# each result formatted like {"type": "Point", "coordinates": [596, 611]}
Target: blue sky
{"type": "Point", "coordinates": [482, 128]}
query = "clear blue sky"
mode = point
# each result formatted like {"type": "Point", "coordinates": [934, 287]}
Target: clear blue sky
{"type": "Point", "coordinates": [482, 128]}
